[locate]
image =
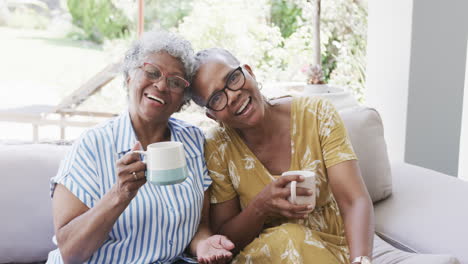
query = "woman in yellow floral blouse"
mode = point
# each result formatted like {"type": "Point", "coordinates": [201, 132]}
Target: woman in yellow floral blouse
{"type": "Point", "coordinates": [256, 142]}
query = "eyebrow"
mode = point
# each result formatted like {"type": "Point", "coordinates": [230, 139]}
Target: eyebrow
{"type": "Point", "coordinates": [224, 80]}
{"type": "Point", "coordinates": [180, 74]}
{"type": "Point", "coordinates": [227, 76]}
{"type": "Point", "coordinates": [224, 83]}
{"type": "Point", "coordinates": [176, 73]}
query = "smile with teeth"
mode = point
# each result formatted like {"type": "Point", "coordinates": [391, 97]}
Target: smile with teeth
{"type": "Point", "coordinates": [155, 98]}
{"type": "Point", "coordinates": [244, 105]}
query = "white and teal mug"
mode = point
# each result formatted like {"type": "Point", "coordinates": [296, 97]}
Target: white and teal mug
{"type": "Point", "coordinates": [165, 163]}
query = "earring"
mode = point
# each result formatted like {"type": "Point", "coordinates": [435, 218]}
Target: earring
{"type": "Point", "coordinates": [260, 86]}
{"type": "Point", "coordinates": [266, 100]}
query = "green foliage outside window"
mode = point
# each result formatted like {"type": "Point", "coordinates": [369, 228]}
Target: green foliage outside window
{"type": "Point", "coordinates": [166, 13]}
{"type": "Point", "coordinates": [286, 15]}
{"type": "Point", "coordinates": [273, 36]}
{"type": "Point", "coordinates": [98, 19]}
{"type": "Point", "coordinates": [344, 27]}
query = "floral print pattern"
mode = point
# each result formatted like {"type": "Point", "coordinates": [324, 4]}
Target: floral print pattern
{"type": "Point", "coordinates": [318, 141]}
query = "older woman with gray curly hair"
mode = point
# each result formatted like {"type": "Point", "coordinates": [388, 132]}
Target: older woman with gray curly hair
{"type": "Point", "coordinates": [104, 210]}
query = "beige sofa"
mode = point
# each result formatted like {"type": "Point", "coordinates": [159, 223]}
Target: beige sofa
{"type": "Point", "coordinates": [416, 209]}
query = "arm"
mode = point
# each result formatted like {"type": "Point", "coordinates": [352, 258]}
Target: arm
{"type": "Point", "coordinates": [203, 231]}
{"type": "Point", "coordinates": [80, 230]}
{"type": "Point", "coordinates": [209, 248]}
{"type": "Point", "coordinates": [355, 206]}
{"type": "Point", "coordinates": [242, 226]}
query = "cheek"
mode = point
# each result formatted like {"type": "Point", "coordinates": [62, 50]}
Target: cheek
{"type": "Point", "coordinates": [132, 93]}
{"type": "Point", "coordinates": [223, 116]}
{"type": "Point", "coordinates": [177, 101]}
{"type": "Point", "coordinates": [135, 88]}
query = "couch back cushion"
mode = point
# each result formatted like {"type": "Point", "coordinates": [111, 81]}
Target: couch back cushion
{"type": "Point", "coordinates": [26, 228]}
{"type": "Point", "coordinates": [365, 130]}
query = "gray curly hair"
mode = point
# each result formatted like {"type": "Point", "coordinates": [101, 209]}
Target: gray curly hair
{"type": "Point", "coordinates": [156, 41]}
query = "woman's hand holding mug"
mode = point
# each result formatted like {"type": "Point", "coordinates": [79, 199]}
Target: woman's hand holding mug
{"type": "Point", "coordinates": [165, 162]}
{"type": "Point", "coordinates": [273, 199]}
{"type": "Point", "coordinates": [130, 174]}
{"type": "Point", "coordinates": [308, 183]}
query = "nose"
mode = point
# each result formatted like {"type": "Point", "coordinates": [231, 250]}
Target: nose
{"type": "Point", "coordinates": [161, 84]}
{"type": "Point", "coordinates": [233, 96]}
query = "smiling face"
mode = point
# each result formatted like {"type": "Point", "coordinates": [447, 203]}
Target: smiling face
{"type": "Point", "coordinates": [153, 101]}
{"type": "Point", "coordinates": [245, 106]}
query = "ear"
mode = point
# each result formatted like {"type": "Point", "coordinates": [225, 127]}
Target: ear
{"type": "Point", "coordinates": [210, 116]}
{"type": "Point", "coordinates": [127, 81]}
{"type": "Point", "coordinates": [249, 70]}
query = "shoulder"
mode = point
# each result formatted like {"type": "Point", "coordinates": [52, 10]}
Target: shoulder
{"type": "Point", "coordinates": [84, 150]}
{"type": "Point", "coordinates": [97, 137]}
{"type": "Point", "coordinates": [99, 133]}
{"type": "Point", "coordinates": [217, 134]}
{"type": "Point", "coordinates": [188, 134]}
{"type": "Point", "coordinates": [282, 100]}
{"type": "Point", "coordinates": [218, 139]}
{"type": "Point", "coordinates": [312, 104]}
{"type": "Point", "coordinates": [310, 101]}
{"type": "Point", "coordinates": [184, 128]}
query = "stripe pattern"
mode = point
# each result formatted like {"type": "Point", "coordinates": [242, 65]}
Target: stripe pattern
{"type": "Point", "coordinates": [160, 221]}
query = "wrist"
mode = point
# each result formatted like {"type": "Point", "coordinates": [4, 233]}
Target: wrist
{"type": "Point", "coordinates": [361, 260]}
{"type": "Point", "coordinates": [195, 251]}
{"type": "Point", "coordinates": [258, 209]}
{"type": "Point", "coordinates": [192, 249]}
{"type": "Point", "coordinates": [120, 198]}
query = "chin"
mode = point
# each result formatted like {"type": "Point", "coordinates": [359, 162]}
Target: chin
{"type": "Point", "coordinates": [252, 121]}
{"type": "Point", "coordinates": [151, 114]}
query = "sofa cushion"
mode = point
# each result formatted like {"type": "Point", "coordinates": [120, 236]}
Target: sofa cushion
{"type": "Point", "coordinates": [27, 228]}
{"type": "Point", "coordinates": [366, 133]}
{"type": "Point", "coordinates": [427, 212]}
{"type": "Point", "coordinates": [384, 253]}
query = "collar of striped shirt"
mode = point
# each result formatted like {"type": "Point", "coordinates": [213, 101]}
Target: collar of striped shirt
{"type": "Point", "coordinates": [124, 133]}
{"type": "Point", "coordinates": [125, 136]}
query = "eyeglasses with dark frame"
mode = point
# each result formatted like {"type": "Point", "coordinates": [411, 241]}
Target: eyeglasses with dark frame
{"type": "Point", "coordinates": [175, 83]}
{"type": "Point", "coordinates": [219, 99]}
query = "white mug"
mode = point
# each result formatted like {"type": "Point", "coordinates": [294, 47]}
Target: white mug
{"type": "Point", "coordinates": [308, 183]}
{"type": "Point", "coordinates": [165, 162]}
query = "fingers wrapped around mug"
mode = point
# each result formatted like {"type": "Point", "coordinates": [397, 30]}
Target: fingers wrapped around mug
{"type": "Point", "coordinates": [294, 211]}
{"type": "Point", "coordinates": [305, 196]}
{"type": "Point", "coordinates": [282, 181]}
{"type": "Point", "coordinates": [133, 171]}
{"type": "Point", "coordinates": [273, 199]}
{"type": "Point", "coordinates": [130, 175]}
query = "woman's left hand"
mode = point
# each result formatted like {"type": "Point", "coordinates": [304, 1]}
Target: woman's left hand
{"type": "Point", "coordinates": [215, 249]}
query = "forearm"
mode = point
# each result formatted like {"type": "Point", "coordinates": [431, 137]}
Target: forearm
{"type": "Point", "coordinates": [359, 227]}
{"type": "Point", "coordinates": [243, 228]}
{"type": "Point", "coordinates": [82, 236]}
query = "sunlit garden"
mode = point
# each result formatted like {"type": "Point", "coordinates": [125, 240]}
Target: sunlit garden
{"type": "Point", "coordinates": [52, 47]}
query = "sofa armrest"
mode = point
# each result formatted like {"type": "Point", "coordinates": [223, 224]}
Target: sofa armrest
{"type": "Point", "coordinates": [427, 212]}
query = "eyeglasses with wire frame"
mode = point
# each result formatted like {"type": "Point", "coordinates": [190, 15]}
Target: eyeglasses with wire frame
{"type": "Point", "coordinates": [234, 82]}
{"type": "Point", "coordinates": [175, 83]}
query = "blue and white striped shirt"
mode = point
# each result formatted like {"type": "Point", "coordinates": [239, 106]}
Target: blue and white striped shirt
{"type": "Point", "coordinates": [160, 222]}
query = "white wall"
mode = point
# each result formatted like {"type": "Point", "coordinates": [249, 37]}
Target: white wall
{"type": "Point", "coordinates": [388, 62]}
{"type": "Point", "coordinates": [463, 160]}
{"type": "Point", "coordinates": [437, 75]}
{"type": "Point", "coordinates": [415, 78]}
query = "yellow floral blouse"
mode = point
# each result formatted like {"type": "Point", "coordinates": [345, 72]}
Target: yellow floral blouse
{"type": "Point", "coordinates": [318, 141]}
